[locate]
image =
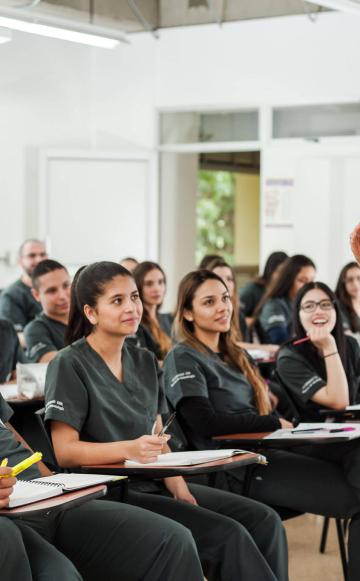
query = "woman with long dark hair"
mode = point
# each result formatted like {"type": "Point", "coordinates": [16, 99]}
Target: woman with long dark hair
{"type": "Point", "coordinates": [348, 294]}
{"type": "Point", "coordinates": [274, 313]}
{"type": "Point", "coordinates": [216, 390]}
{"type": "Point", "coordinates": [154, 332]}
{"type": "Point", "coordinates": [239, 328]}
{"type": "Point", "coordinates": [253, 291]}
{"type": "Point", "coordinates": [105, 396]}
{"type": "Point", "coordinates": [323, 372]}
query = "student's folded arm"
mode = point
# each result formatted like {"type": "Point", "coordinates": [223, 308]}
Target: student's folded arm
{"type": "Point", "coordinates": [198, 414]}
{"type": "Point", "coordinates": [70, 451]}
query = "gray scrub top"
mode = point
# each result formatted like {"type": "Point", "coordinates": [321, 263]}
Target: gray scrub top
{"type": "Point", "coordinates": [43, 335]}
{"type": "Point", "coordinates": [276, 312]}
{"type": "Point", "coordinates": [18, 305]}
{"type": "Point", "coordinates": [81, 391]}
{"type": "Point", "coordinates": [10, 350]}
{"type": "Point", "coordinates": [190, 373]}
{"type": "Point", "coordinates": [10, 448]}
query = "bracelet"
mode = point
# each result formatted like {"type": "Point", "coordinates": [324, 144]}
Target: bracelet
{"type": "Point", "coordinates": [330, 354]}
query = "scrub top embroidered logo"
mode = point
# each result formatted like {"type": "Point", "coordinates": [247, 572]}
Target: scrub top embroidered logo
{"type": "Point", "coordinates": [310, 383]}
{"type": "Point", "coordinates": [180, 376]}
{"type": "Point", "coordinates": [56, 404]}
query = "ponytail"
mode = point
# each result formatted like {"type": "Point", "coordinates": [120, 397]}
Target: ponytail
{"type": "Point", "coordinates": [87, 286]}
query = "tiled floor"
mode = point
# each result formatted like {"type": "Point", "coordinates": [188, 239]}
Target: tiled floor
{"type": "Point", "coordinates": [306, 563]}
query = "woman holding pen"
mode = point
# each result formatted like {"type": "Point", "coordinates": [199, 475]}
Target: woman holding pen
{"type": "Point", "coordinates": [324, 371]}
{"type": "Point", "coordinates": [216, 390]}
{"type": "Point", "coordinates": [103, 397]}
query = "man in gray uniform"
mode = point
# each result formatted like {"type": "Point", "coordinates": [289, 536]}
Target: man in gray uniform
{"type": "Point", "coordinates": [45, 335]}
{"type": "Point", "coordinates": [17, 303]}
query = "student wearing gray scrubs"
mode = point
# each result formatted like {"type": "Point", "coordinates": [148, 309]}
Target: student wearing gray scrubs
{"type": "Point", "coordinates": [45, 335]}
{"type": "Point", "coordinates": [11, 352]}
{"type": "Point", "coordinates": [323, 372]}
{"type": "Point", "coordinates": [17, 303]}
{"type": "Point", "coordinates": [274, 313]}
{"type": "Point", "coordinates": [216, 390]}
{"type": "Point", "coordinates": [154, 332]}
{"type": "Point", "coordinates": [97, 536]}
{"type": "Point", "coordinates": [104, 398]}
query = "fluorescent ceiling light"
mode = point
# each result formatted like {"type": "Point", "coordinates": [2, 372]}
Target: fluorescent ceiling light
{"type": "Point", "coordinates": [5, 35]}
{"type": "Point", "coordinates": [352, 6]}
{"type": "Point", "coordinates": [64, 30]}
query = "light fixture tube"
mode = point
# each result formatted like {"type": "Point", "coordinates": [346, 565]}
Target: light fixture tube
{"type": "Point", "coordinates": [89, 35]}
{"type": "Point", "coordinates": [343, 5]}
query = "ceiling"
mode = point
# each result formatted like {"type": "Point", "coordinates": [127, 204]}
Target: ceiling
{"type": "Point", "coordinates": [139, 15]}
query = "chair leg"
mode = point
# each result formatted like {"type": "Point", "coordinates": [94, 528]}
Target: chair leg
{"type": "Point", "coordinates": [324, 534]}
{"type": "Point", "coordinates": [342, 546]}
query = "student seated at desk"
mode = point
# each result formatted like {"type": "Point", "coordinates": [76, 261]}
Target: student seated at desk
{"type": "Point", "coordinates": [323, 372]}
{"type": "Point", "coordinates": [253, 291]}
{"type": "Point", "coordinates": [45, 335]}
{"type": "Point", "coordinates": [242, 333]}
{"type": "Point", "coordinates": [348, 294]}
{"type": "Point", "coordinates": [83, 542]}
{"type": "Point", "coordinates": [216, 390]}
{"type": "Point", "coordinates": [274, 313]}
{"type": "Point", "coordinates": [17, 303]}
{"type": "Point", "coordinates": [154, 332]}
{"type": "Point", "coordinates": [11, 352]}
{"type": "Point", "coordinates": [104, 398]}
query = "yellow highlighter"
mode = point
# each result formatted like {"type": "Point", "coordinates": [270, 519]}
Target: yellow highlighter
{"type": "Point", "coordinates": [4, 463]}
{"type": "Point", "coordinates": [36, 457]}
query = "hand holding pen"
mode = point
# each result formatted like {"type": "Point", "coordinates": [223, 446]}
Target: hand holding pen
{"type": "Point", "coordinates": [7, 484]}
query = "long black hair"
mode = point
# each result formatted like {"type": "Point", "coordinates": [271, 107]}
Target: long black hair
{"type": "Point", "coordinates": [282, 286]}
{"type": "Point", "coordinates": [307, 349]}
{"type": "Point", "coordinates": [88, 285]}
{"type": "Point", "coordinates": [272, 263]}
{"type": "Point", "coordinates": [344, 297]}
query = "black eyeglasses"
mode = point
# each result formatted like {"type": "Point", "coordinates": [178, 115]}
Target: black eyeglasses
{"type": "Point", "coordinates": [310, 306]}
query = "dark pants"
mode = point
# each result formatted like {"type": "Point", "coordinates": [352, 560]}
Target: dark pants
{"type": "Point", "coordinates": [322, 480]}
{"type": "Point", "coordinates": [109, 540]}
{"type": "Point", "coordinates": [237, 538]}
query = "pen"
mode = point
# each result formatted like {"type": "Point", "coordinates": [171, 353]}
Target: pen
{"type": "Point", "coordinates": [36, 457]}
{"type": "Point", "coordinates": [299, 341]}
{"type": "Point", "coordinates": [167, 424]}
{"type": "Point", "coordinates": [341, 430]}
{"type": "Point", "coordinates": [309, 430]}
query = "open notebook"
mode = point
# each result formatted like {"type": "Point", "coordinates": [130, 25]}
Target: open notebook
{"type": "Point", "coordinates": [28, 491]}
{"type": "Point", "coordinates": [188, 458]}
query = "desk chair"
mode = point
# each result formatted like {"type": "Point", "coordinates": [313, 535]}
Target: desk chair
{"type": "Point", "coordinates": [45, 442]}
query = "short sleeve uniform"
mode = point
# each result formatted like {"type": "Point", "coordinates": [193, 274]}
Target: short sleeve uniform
{"type": "Point", "coordinates": [81, 391]}
{"type": "Point", "coordinates": [43, 335]}
{"type": "Point", "coordinates": [18, 305]}
{"type": "Point", "coordinates": [250, 296]}
{"type": "Point", "coordinates": [11, 351]}
{"type": "Point", "coordinates": [10, 448]}
{"type": "Point", "coordinates": [189, 373]}
{"type": "Point", "coordinates": [345, 316]}
{"type": "Point", "coordinates": [304, 373]}
{"type": "Point", "coordinates": [277, 312]}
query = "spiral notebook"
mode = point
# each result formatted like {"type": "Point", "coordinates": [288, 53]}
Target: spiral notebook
{"type": "Point", "coordinates": [28, 491]}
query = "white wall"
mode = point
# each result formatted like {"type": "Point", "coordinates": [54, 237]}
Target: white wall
{"type": "Point", "coordinates": [55, 94]}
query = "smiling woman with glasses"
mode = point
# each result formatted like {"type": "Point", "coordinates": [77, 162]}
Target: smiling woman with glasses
{"type": "Point", "coordinates": [323, 372]}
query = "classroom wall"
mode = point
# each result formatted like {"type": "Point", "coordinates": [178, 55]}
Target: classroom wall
{"type": "Point", "coordinates": [55, 94]}
{"type": "Point", "coordinates": [247, 219]}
